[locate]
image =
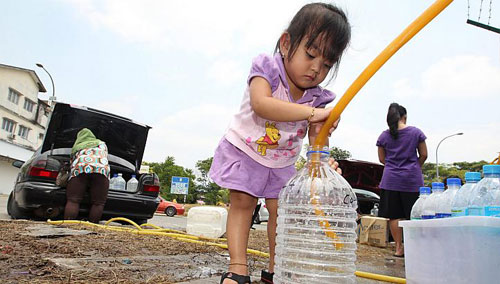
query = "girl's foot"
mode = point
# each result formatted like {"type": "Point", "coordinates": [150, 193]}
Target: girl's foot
{"type": "Point", "coordinates": [233, 278]}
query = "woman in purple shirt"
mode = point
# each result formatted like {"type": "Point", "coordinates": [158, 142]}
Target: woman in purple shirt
{"type": "Point", "coordinates": [402, 150]}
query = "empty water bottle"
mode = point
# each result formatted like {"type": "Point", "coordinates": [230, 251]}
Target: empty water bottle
{"type": "Point", "coordinates": [461, 200]}
{"type": "Point", "coordinates": [416, 210]}
{"type": "Point", "coordinates": [443, 209]}
{"type": "Point", "coordinates": [120, 183]}
{"type": "Point", "coordinates": [316, 238]}
{"type": "Point", "coordinates": [132, 184]}
{"type": "Point", "coordinates": [485, 196]}
{"type": "Point", "coordinates": [430, 204]}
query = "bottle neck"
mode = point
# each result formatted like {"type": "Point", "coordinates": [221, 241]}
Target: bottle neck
{"type": "Point", "coordinates": [491, 175]}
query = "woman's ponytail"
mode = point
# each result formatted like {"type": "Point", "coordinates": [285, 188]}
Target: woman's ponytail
{"type": "Point", "coordinates": [393, 116]}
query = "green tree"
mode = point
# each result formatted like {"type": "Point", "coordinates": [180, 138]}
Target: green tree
{"type": "Point", "coordinates": [335, 152]}
{"type": "Point", "coordinates": [447, 170]}
{"type": "Point", "coordinates": [165, 171]}
{"type": "Point", "coordinates": [339, 154]}
{"type": "Point", "coordinates": [206, 187]}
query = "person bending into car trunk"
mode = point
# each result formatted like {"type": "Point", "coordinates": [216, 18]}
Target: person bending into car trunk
{"type": "Point", "coordinates": [89, 170]}
{"type": "Point", "coordinates": [397, 150]}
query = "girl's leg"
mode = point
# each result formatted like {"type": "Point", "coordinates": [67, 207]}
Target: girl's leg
{"type": "Point", "coordinates": [397, 235]}
{"type": "Point", "coordinates": [272, 208]}
{"type": "Point", "coordinates": [238, 229]}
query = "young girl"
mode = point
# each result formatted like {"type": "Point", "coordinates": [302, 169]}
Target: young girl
{"type": "Point", "coordinates": [283, 102]}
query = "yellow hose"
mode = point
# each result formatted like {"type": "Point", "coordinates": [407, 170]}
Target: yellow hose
{"type": "Point", "coordinates": [181, 236]}
{"type": "Point", "coordinates": [377, 63]}
{"type": "Point", "coordinates": [380, 277]}
{"type": "Point", "coordinates": [369, 71]}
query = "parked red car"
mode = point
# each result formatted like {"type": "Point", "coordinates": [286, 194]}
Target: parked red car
{"type": "Point", "coordinates": [170, 208]}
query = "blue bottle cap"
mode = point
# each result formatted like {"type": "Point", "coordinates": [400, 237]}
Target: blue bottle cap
{"type": "Point", "coordinates": [425, 189]}
{"type": "Point", "coordinates": [437, 185]}
{"type": "Point", "coordinates": [491, 169]}
{"type": "Point", "coordinates": [472, 176]}
{"type": "Point", "coordinates": [133, 176]}
{"type": "Point", "coordinates": [115, 175]}
{"type": "Point", "coordinates": [453, 181]}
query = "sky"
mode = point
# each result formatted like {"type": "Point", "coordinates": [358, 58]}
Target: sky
{"type": "Point", "coordinates": [181, 68]}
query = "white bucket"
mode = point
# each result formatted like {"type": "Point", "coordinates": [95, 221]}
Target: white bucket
{"type": "Point", "coordinates": [207, 221]}
{"type": "Point", "coordinates": [452, 250]}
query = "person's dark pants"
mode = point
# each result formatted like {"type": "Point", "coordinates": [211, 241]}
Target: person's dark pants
{"type": "Point", "coordinates": [98, 186]}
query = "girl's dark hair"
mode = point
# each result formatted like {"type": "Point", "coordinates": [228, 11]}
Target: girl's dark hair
{"type": "Point", "coordinates": [394, 114]}
{"type": "Point", "coordinates": [320, 20]}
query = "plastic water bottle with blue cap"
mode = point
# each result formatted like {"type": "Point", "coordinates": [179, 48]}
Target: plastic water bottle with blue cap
{"type": "Point", "coordinates": [444, 203]}
{"type": "Point", "coordinates": [461, 200]}
{"type": "Point", "coordinates": [486, 194]}
{"type": "Point", "coordinates": [416, 210]}
{"type": "Point", "coordinates": [430, 204]}
{"type": "Point", "coordinates": [120, 183]}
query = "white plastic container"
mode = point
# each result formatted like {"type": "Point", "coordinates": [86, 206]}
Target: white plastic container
{"type": "Point", "coordinates": [452, 250]}
{"type": "Point", "coordinates": [207, 221]}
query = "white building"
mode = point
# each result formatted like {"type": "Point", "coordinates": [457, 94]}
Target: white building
{"type": "Point", "coordinates": [23, 118]}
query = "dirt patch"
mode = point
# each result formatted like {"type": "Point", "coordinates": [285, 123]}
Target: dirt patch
{"type": "Point", "coordinates": [103, 256]}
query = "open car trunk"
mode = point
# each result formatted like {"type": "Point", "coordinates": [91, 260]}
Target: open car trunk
{"type": "Point", "coordinates": [125, 138]}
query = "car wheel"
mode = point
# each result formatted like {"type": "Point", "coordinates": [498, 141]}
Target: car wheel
{"type": "Point", "coordinates": [257, 219]}
{"type": "Point", "coordinates": [13, 209]}
{"type": "Point", "coordinates": [170, 211]}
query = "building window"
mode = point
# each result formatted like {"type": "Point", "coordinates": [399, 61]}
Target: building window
{"type": "Point", "coordinates": [14, 96]}
{"type": "Point", "coordinates": [40, 136]}
{"type": "Point", "coordinates": [28, 105]}
{"type": "Point", "coordinates": [8, 125]}
{"type": "Point", "coordinates": [23, 131]}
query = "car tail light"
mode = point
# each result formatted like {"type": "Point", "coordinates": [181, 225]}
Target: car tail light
{"type": "Point", "coordinates": [151, 188]}
{"type": "Point", "coordinates": [41, 172]}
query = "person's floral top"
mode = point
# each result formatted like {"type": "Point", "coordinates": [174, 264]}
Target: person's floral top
{"type": "Point", "coordinates": [91, 160]}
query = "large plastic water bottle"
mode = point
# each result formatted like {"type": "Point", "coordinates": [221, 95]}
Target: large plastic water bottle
{"type": "Point", "coordinates": [444, 203]}
{"type": "Point", "coordinates": [112, 182]}
{"type": "Point", "coordinates": [120, 183]}
{"type": "Point", "coordinates": [485, 197]}
{"type": "Point", "coordinates": [430, 204]}
{"type": "Point", "coordinates": [461, 200]}
{"type": "Point", "coordinates": [416, 210]}
{"type": "Point", "coordinates": [316, 238]}
{"type": "Point", "coordinates": [132, 184]}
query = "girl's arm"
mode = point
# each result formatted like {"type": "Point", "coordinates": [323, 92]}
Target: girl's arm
{"type": "Point", "coordinates": [422, 152]}
{"type": "Point", "coordinates": [381, 155]}
{"type": "Point", "coordinates": [270, 108]}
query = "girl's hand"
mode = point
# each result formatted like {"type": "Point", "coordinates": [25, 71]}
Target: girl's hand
{"type": "Point", "coordinates": [334, 165]}
{"type": "Point", "coordinates": [316, 127]}
{"type": "Point", "coordinates": [320, 114]}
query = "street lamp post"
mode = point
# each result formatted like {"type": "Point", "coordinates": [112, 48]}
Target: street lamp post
{"type": "Point", "coordinates": [437, 164]}
{"type": "Point", "coordinates": [53, 98]}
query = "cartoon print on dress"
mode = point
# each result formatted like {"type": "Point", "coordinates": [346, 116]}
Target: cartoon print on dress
{"type": "Point", "coordinates": [269, 140]}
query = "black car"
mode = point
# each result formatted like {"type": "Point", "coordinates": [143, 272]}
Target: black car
{"type": "Point", "coordinates": [364, 177]}
{"type": "Point", "coordinates": [36, 195]}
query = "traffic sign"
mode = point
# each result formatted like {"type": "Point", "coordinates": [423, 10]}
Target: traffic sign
{"type": "Point", "coordinates": [180, 185]}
